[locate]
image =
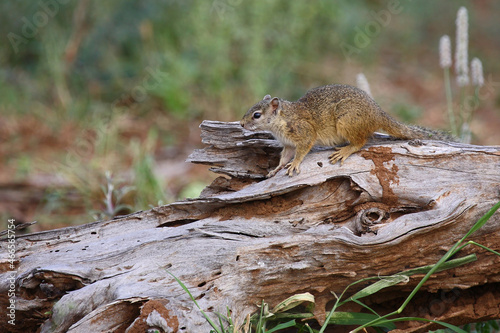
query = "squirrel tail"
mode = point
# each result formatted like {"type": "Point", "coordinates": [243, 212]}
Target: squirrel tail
{"type": "Point", "coordinates": [409, 132]}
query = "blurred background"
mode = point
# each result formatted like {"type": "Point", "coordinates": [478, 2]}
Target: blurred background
{"type": "Point", "coordinates": [100, 101]}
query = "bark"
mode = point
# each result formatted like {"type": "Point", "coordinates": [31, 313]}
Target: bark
{"type": "Point", "coordinates": [395, 205]}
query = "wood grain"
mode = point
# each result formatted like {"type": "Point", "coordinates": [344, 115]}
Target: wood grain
{"type": "Point", "coordinates": [393, 206]}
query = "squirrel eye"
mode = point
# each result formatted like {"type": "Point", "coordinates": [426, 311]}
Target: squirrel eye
{"type": "Point", "coordinates": [256, 115]}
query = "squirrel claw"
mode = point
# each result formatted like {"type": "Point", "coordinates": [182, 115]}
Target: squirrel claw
{"type": "Point", "coordinates": [272, 173]}
{"type": "Point", "coordinates": [337, 156]}
{"type": "Point", "coordinates": [291, 167]}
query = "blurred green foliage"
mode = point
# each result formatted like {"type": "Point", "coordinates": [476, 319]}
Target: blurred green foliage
{"type": "Point", "coordinates": [92, 80]}
{"type": "Point", "coordinates": [149, 189]}
{"type": "Point", "coordinates": [201, 58]}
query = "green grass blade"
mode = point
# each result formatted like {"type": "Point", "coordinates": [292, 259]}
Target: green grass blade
{"type": "Point", "coordinates": [450, 326]}
{"type": "Point", "coordinates": [288, 324]}
{"type": "Point", "coordinates": [481, 246]}
{"type": "Point", "coordinates": [482, 221]}
{"type": "Point", "coordinates": [338, 302]}
{"type": "Point", "coordinates": [310, 329]}
{"type": "Point", "coordinates": [434, 268]}
{"type": "Point", "coordinates": [494, 324]}
{"type": "Point", "coordinates": [220, 317]}
{"type": "Point", "coordinates": [366, 307]}
{"type": "Point", "coordinates": [228, 318]}
{"type": "Point", "coordinates": [446, 265]}
{"type": "Point", "coordinates": [354, 318]}
{"type": "Point", "coordinates": [292, 302]}
{"type": "Point", "coordinates": [293, 315]}
{"type": "Point", "coordinates": [183, 286]}
{"type": "Point", "coordinates": [328, 318]}
{"type": "Point", "coordinates": [385, 282]}
{"type": "Point", "coordinates": [261, 317]}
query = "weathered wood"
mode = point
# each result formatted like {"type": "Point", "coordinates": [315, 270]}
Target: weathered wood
{"type": "Point", "coordinates": [393, 206]}
{"type": "Point", "coordinates": [235, 151]}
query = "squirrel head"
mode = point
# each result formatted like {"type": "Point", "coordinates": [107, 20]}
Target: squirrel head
{"type": "Point", "coordinates": [260, 116]}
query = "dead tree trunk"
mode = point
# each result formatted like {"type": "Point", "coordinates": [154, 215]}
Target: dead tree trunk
{"type": "Point", "coordinates": [393, 206]}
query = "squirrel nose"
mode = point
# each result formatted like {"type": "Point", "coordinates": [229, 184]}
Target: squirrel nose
{"type": "Point", "coordinates": [241, 123]}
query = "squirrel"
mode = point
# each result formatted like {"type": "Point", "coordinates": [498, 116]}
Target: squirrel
{"type": "Point", "coordinates": [328, 115]}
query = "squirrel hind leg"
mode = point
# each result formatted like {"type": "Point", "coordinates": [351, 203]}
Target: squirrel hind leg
{"type": "Point", "coordinates": [356, 133]}
{"type": "Point", "coordinates": [342, 153]}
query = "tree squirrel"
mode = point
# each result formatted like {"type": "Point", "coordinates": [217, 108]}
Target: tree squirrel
{"type": "Point", "coordinates": [328, 115]}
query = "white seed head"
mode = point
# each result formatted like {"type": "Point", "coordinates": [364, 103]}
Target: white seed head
{"type": "Point", "coordinates": [476, 70]}
{"type": "Point", "coordinates": [445, 52]}
{"type": "Point", "coordinates": [463, 80]}
{"type": "Point", "coordinates": [362, 84]}
{"type": "Point", "coordinates": [461, 56]}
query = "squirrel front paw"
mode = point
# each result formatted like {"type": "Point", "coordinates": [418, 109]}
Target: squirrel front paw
{"type": "Point", "coordinates": [291, 167]}
{"type": "Point", "coordinates": [273, 172]}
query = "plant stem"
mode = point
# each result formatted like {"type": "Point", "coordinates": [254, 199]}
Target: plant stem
{"type": "Point", "coordinates": [449, 102]}
{"type": "Point", "coordinates": [463, 113]}
{"type": "Point", "coordinates": [435, 268]}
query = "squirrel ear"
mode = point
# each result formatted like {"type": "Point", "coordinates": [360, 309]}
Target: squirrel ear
{"type": "Point", "coordinates": [275, 103]}
{"type": "Point", "coordinates": [267, 98]}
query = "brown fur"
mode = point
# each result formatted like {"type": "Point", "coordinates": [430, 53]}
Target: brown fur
{"type": "Point", "coordinates": [328, 115]}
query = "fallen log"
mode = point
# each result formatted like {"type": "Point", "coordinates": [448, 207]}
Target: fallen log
{"type": "Point", "coordinates": [393, 206]}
